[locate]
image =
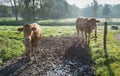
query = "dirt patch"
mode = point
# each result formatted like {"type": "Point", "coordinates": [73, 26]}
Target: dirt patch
{"type": "Point", "coordinates": [117, 36]}
{"type": "Point", "coordinates": [58, 56]}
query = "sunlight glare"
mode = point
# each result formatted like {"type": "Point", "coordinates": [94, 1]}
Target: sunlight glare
{"type": "Point", "coordinates": [84, 3]}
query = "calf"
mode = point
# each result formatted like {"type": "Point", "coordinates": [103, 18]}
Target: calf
{"type": "Point", "coordinates": [86, 26]}
{"type": "Point", "coordinates": [32, 36]}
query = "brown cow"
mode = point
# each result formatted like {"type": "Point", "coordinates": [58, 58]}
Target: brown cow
{"type": "Point", "coordinates": [32, 36]}
{"type": "Point", "coordinates": [86, 26]}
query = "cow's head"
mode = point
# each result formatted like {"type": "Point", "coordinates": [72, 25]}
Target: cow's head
{"type": "Point", "coordinates": [93, 22]}
{"type": "Point", "coordinates": [28, 30]}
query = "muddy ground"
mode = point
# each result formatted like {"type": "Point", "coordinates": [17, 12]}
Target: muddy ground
{"type": "Point", "coordinates": [58, 56]}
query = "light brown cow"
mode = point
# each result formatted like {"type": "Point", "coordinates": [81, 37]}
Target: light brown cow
{"type": "Point", "coordinates": [86, 26]}
{"type": "Point", "coordinates": [32, 36]}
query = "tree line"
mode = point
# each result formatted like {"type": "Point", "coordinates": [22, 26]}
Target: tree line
{"type": "Point", "coordinates": [55, 9]}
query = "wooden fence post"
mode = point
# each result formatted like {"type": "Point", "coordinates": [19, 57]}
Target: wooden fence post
{"type": "Point", "coordinates": [105, 34]}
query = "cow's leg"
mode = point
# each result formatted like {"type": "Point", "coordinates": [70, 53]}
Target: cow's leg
{"type": "Point", "coordinates": [95, 34]}
{"type": "Point", "coordinates": [89, 38]}
{"type": "Point", "coordinates": [82, 36]}
{"type": "Point", "coordinates": [29, 55]}
{"type": "Point", "coordinates": [33, 49]}
{"type": "Point", "coordinates": [26, 54]}
{"type": "Point", "coordinates": [86, 38]}
{"type": "Point", "coordinates": [77, 32]}
{"type": "Point", "coordinates": [35, 53]}
{"type": "Point", "coordinates": [38, 47]}
{"type": "Point", "coordinates": [36, 50]}
{"type": "Point", "coordinates": [29, 51]}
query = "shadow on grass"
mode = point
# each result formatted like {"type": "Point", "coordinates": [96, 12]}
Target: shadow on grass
{"type": "Point", "coordinates": [111, 73]}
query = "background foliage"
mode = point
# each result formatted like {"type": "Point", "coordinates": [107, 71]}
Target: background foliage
{"type": "Point", "coordinates": [55, 9]}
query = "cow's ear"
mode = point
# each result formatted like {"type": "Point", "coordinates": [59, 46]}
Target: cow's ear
{"type": "Point", "coordinates": [33, 28]}
{"type": "Point", "coordinates": [20, 29]}
{"type": "Point", "coordinates": [97, 21]}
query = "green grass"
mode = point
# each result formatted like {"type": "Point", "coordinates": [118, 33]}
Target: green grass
{"type": "Point", "coordinates": [10, 43]}
{"type": "Point", "coordinates": [57, 30]}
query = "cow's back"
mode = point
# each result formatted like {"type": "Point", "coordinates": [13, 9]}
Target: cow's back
{"type": "Point", "coordinates": [80, 23]}
{"type": "Point", "coordinates": [38, 32]}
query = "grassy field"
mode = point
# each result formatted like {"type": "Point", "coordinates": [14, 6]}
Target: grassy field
{"type": "Point", "coordinates": [10, 21]}
{"type": "Point", "coordinates": [107, 62]}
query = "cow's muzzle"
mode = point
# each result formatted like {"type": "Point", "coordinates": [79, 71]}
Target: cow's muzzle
{"type": "Point", "coordinates": [28, 39]}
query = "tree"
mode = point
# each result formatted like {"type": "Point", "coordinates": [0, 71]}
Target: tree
{"type": "Point", "coordinates": [5, 11]}
{"type": "Point", "coordinates": [15, 8]}
{"type": "Point", "coordinates": [106, 11]}
{"type": "Point", "coordinates": [26, 9]}
{"type": "Point", "coordinates": [33, 8]}
{"type": "Point", "coordinates": [66, 6]}
{"type": "Point", "coordinates": [95, 8]}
